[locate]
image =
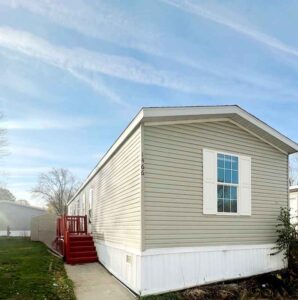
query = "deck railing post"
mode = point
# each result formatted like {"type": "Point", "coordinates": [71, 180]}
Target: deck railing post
{"type": "Point", "coordinates": [66, 226]}
{"type": "Point", "coordinates": [66, 245]}
{"type": "Point", "coordinates": [85, 224]}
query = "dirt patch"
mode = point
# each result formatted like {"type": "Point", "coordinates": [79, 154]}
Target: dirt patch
{"type": "Point", "coordinates": [279, 285]}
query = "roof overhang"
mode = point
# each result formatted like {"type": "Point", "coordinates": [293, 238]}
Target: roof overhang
{"type": "Point", "coordinates": [294, 189]}
{"type": "Point", "coordinates": [233, 113]}
{"type": "Point", "coordinates": [187, 114]}
{"type": "Point", "coordinates": [21, 205]}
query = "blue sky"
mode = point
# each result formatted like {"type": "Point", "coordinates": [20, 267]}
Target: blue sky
{"type": "Point", "coordinates": [74, 73]}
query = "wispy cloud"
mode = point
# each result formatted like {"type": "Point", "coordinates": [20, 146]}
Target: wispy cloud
{"type": "Point", "coordinates": [99, 20]}
{"type": "Point", "coordinates": [63, 58]}
{"type": "Point", "coordinates": [20, 153]}
{"type": "Point", "coordinates": [47, 123]}
{"type": "Point", "coordinates": [79, 60]}
{"type": "Point", "coordinates": [267, 40]}
{"type": "Point", "coordinates": [108, 22]}
{"type": "Point", "coordinates": [24, 171]}
{"type": "Point", "coordinates": [98, 86]}
{"type": "Point", "coordinates": [28, 151]}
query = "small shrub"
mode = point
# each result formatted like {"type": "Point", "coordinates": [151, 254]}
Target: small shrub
{"type": "Point", "coordinates": [286, 231]}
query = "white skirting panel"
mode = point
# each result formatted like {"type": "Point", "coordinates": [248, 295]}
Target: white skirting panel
{"type": "Point", "coordinates": [20, 233]}
{"type": "Point", "coordinates": [122, 262]}
{"type": "Point", "coordinates": [162, 270]}
{"type": "Point", "coordinates": [172, 269]}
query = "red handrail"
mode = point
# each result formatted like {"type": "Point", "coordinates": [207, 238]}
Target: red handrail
{"type": "Point", "coordinates": [67, 225]}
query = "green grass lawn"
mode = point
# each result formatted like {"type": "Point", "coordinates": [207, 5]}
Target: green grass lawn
{"type": "Point", "coordinates": [29, 271]}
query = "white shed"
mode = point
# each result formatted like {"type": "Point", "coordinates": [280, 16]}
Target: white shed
{"type": "Point", "coordinates": [16, 218]}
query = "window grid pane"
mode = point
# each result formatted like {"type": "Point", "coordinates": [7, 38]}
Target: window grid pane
{"type": "Point", "coordinates": [227, 177]}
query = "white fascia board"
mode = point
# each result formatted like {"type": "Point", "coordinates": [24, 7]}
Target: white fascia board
{"type": "Point", "coordinates": [186, 111]}
{"type": "Point", "coordinates": [266, 128]}
{"type": "Point", "coordinates": [214, 110]}
{"type": "Point", "coordinates": [293, 189]}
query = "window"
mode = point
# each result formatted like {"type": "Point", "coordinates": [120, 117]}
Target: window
{"type": "Point", "coordinates": [78, 207]}
{"type": "Point", "coordinates": [83, 211]}
{"type": "Point", "coordinates": [227, 183]}
{"type": "Point", "coordinates": [90, 205]}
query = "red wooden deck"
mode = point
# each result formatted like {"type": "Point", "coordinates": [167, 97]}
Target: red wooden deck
{"type": "Point", "coordinates": [73, 241]}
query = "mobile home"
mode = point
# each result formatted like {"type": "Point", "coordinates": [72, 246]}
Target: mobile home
{"type": "Point", "coordinates": [15, 218]}
{"type": "Point", "coordinates": [188, 196]}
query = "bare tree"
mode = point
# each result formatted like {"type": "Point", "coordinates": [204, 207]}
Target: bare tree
{"type": "Point", "coordinates": [293, 169]}
{"type": "Point", "coordinates": [6, 195]}
{"type": "Point", "coordinates": [56, 187]}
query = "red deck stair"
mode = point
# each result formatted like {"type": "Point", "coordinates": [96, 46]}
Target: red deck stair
{"type": "Point", "coordinates": [81, 249]}
{"type": "Point", "coordinates": [73, 241]}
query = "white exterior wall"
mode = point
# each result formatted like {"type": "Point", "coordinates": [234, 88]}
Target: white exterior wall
{"type": "Point", "coordinates": [172, 269]}
{"type": "Point", "coordinates": [124, 263]}
{"type": "Point", "coordinates": [157, 271]}
{"type": "Point", "coordinates": [173, 187]}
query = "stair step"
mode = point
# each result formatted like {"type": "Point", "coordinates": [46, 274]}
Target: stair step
{"type": "Point", "coordinates": [81, 238]}
{"type": "Point", "coordinates": [82, 260]}
{"type": "Point", "coordinates": [82, 254]}
{"type": "Point", "coordinates": [81, 243]}
{"type": "Point", "coordinates": [82, 248]}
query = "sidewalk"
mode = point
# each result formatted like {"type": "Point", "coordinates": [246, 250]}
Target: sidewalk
{"type": "Point", "coordinates": [93, 282]}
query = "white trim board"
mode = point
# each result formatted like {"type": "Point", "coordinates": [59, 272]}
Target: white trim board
{"type": "Point", "coordinates": [257, 136]}
{"type": "Point", "coordinates": [161, 123]}
{"type": "Point", "coordinates": [19, 233]}
{"type": "Point", "coordinates": [161, 251]}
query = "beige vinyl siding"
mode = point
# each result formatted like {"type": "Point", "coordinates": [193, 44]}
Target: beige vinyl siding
{"type": "Point", "coordinates": [173, 190]}
{"type": "Point", "coordinates": [117, 196]}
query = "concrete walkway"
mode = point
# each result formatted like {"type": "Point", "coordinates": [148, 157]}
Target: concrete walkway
{"type": "Point", "coordinates": [93, 282]}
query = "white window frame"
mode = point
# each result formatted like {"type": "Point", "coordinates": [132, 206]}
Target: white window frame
{"type": "Point", "coordinates": [83, 210]}
{"type": "Point", "coordinates": [90, 206]}
{"type": "Point", "coordinates": [78, 207]}
{"type": "Point", "coordinates": [227, 184]}
{"type": "Point", "coordinates": [90, 198]}
{"type": "Point", "coordinates": [210, 183]}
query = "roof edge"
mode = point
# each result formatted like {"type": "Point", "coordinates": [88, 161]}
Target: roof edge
{"type": "Point", "coordinates": [22, 205]}
{"type": "Point", "coordinates": [228, 109]}
{"type": "Point", "coordinates": [154, 112]}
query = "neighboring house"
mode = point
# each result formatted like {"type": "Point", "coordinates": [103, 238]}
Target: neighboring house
{"type": "Point", "coordinates": [17, 218]}
{"type": "Point", "coordinates": [188, 196]}
{"type": "Point", "coordinates": [294, 203]}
